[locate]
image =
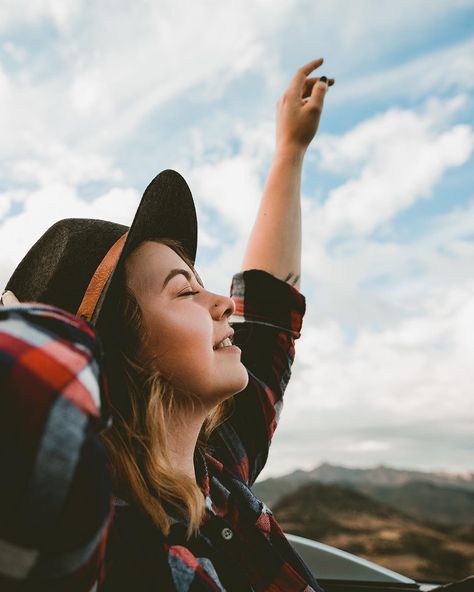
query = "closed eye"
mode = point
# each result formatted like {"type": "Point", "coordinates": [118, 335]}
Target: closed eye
{"type": "Point", "coordinates": [188, 293]}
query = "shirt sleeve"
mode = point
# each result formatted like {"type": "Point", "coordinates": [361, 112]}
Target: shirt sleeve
{"type": "Point", "coordinates": [55, 498]}
{"type": "Point", "coordinates": [267, 320]}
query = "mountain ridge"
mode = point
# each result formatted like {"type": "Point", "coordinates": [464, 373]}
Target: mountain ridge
{"type": "Point", "coordinates": [348, 519]}
{"type": "Point", "coordinates": [439, 498]}
{"type": "Point", "coordinates": [384, 474]}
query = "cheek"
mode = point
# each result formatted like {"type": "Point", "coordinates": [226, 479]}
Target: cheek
{"type": "Point", "coordinates": [182, 351]}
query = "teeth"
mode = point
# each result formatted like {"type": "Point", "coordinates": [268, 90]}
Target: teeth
{"type": "Point", "coordinates": [224, 343]}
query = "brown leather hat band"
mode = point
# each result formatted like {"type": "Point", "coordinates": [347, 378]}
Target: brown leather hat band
{"type": "Point", "coordinates": [100, 278]}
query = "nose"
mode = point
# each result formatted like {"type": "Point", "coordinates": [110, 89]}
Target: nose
{"type": "Point", "coordinates": [222, 307]}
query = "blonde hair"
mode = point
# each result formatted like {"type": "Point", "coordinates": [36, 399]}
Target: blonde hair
{"type": "Point", "coordinates": [136, 443]}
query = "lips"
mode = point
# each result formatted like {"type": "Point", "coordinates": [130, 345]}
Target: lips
{"type": "Point", "coordinates": [225, 341]}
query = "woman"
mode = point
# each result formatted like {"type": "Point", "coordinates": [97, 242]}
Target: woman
{"type": "Point", "coordinates": [193, 415]}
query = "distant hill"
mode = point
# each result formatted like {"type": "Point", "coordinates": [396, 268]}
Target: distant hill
{"type": "Point", "coordinates": [435, 497]}
{"type": "Point", "coordinates": [382, 475]}
{"type": "Point", "coordinates": [350, 520]}
{"type": "Point", "coordinates": [427, 501]}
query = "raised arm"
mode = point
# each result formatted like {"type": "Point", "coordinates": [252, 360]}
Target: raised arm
{"type": "Point", "coordinates": [275, 242]}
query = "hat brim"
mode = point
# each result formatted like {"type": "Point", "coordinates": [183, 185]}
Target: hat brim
{"type": "Point", "coordinates": [166, 210]}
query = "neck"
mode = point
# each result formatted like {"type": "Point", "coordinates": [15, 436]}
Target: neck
{"type": "Point", "coordinates": [182, 434]}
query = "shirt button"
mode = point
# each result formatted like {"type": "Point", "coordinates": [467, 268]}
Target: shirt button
{"type": "Point", "coordinates": [227, 534]}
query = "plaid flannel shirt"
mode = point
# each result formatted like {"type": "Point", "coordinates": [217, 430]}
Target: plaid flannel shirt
{"type": "Point", "coordinates": [240, 546]}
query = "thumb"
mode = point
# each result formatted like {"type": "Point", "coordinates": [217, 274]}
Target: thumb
{"type": "Point", "coordinates": [9, 299]}
{"type": "Point", "coordinates": [318, 92]}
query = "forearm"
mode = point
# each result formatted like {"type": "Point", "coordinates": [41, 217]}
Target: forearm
{"type": "Point", "coordinates": [275, 242]}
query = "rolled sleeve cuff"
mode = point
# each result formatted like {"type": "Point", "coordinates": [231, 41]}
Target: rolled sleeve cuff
{"type": "Point", "coordinates": [264, 299]}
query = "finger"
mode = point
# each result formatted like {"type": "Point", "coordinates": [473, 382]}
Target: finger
{"type": "Point", "coordinates": [9, 299]}
{"type": "Point", "coordinates": [310, 66]}
{"type": "Point", "coordinates": [310, 82]}
{"type": "Point", "coordinates": [297, 82]}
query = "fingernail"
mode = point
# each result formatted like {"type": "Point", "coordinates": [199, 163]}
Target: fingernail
{"type": "Point", "coordinates": [323, 79]}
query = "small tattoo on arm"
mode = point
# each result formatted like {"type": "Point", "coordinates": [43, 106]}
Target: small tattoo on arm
{"type": "Point", "coordinates": [292, 279]}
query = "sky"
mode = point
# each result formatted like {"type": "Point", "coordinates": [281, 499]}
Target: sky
{"type": "Point", "coordinates": [97, 98]}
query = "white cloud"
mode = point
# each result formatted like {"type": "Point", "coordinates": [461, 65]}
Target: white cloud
{"type": "Point", "coordinates": [368, 446]}
{"type": "Point", "coordinates": [366, 283]}
{"type": "Point", "coordinates": [394, 158]}
{"type": "Point", "coordinates": [105, 84]}
{"type": "Point", "coordinates": [111, 82]}
{"type": "Point", "coordinates": [403, 385]}
{"type": "Point", "coordinates": [356, 36]}
{"type": "Point", "coordinates": [58, 164]}
{"type": "Point", "coordinates": [27, 12]}
{"type": "Point", "coordinates": [231, 187]}
{"type": "Point", "coordinates": [47, 205]}
{"type": "Point", "coordinates": [10, 198]}
{"type": "Point", "coordinates": [402, 376]}
{"type": "Point", "coordinates": [14, 51]}
{"type": "Point", "coordinates": [439, 71]}
{"type": "Point", "coordinates": [227, 187]}
{"type": "Point", "coordinates": [89, 94]}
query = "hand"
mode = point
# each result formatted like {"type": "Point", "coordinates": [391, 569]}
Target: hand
{"type": "Point", "coordinates": [9, 299]}
{"type": "Point", "coordinates": [300, 108]}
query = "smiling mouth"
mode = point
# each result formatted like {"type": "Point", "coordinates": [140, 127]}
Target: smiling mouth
{"type": "Point", "coordinates": [224, 343]}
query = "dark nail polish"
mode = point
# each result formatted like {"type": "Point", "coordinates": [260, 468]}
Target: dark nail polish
{"type": "Point", "coordinates": [323, 79]}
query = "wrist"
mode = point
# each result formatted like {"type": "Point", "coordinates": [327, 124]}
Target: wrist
{"type": "Point", "coordinates": [291, 152]}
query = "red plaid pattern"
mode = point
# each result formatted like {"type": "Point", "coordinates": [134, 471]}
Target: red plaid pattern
{"type": "Point", "coordinates": [55, 500]}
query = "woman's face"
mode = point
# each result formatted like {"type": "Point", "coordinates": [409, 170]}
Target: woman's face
{"type": "Point", "coordinates": [184, 323]}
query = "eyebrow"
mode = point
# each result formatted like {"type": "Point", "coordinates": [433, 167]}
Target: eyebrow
{"type": "Point", "coordinates": [177, 271]}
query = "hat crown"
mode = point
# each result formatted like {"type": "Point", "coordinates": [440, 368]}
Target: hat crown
{"type": "Point", "coordinates": [58, 267]}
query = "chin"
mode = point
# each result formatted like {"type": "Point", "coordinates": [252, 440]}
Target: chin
{"type": "Point", "coordinates": [241, 383]}
{"type": "Point", "coordinates": [233, 387]}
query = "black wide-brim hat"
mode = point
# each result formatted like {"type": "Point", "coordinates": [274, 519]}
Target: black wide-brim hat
{"type": "Point", "coordinates": [80, 259]}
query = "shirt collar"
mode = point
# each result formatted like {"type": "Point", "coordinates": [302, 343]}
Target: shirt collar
{"type": "Point", "coordinates": [202, 472]}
